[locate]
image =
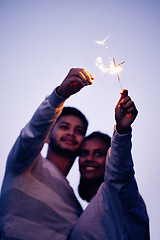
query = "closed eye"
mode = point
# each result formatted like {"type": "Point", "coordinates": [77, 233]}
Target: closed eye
{"type": "Point", "coordinates": [80, 131]}
{"type": "Point", "coordinates": [64, 126]}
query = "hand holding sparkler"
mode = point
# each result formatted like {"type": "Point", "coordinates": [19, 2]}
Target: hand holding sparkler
{"type": "Point", "coordinates": [76, 79]}
{"type": "Point", "coordinates": [125, 113]}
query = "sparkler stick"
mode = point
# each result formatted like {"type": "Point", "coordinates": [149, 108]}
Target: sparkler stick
{"type": "Point", "coordinates": [113, 69]}
{"type": "Point", "coordinates": [117, 70]}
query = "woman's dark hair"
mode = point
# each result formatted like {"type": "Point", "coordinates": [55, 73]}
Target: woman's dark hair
{"type": "Point", "coordinates": [105, 137]}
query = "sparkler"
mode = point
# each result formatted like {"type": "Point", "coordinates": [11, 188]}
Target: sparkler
{"type": "Point", "coordinates": [118, 69]}
{"type": "Point", "coordinates": [113, 68]}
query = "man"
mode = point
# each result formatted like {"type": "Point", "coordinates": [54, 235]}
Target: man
{"type": "Point", "coordinates": [117, 211]}
{"type": "Point", "coordinates": [36, 200]}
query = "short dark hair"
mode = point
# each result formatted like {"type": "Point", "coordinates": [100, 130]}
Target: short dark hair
{"type": "Point", "coordinates": [75, 112]}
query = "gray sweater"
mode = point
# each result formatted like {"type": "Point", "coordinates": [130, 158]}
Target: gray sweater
{"type": "Point", "coordinates": [36, 202]}
{"type": "Point", "coordinates": [117, 212]}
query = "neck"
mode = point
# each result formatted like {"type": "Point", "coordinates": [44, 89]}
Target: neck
{"type": "Point", "coordinates": [64, 164]}
{"type": "Point", "coordinates": [88, 188]}
{"type": "Point", "coordinates": [92, 188]}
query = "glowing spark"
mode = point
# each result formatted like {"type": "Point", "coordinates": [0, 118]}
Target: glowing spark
{"type": "Point", "coordinates": [116, 69]}
{"type": "Point", "coordinates": [100, 65]}
{"type": "Point", "coordinates": [113, 68]}
{"type": "Point", "coordinates": [102, 42]}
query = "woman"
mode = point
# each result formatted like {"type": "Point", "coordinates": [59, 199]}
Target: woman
{"type": "Point", "coordinates": [117, 211]}
{"type": "Point", "coordinates": [92, 157]}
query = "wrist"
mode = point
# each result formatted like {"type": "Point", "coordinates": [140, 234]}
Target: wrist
{"type": "Point", "coordinates": [60, 93]}
{"type": "Point", "coordinates": [123, 130]}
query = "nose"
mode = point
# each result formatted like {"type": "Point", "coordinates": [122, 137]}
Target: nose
{"type": "Point", "coordinates": [70, 132]}
{"type": "Point", "coordinates": [89, 158]}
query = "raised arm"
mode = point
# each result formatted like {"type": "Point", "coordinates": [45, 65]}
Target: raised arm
{"type": "Point", "coordinates": [117, 211]}
{"type": "Point", "coordinates": [32, 137]}
{"type": "Point", "coordinates": [120, 183]}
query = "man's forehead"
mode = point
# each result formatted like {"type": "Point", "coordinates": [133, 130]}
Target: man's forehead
{"type": "Point", "coordinates": [71, 120]}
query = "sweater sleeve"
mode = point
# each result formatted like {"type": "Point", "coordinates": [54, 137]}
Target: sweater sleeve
{"type": "Point", "coordinates": [32, 137]}
{"type": "Point", "coordinates": [119, 174]}
{"type": "Point", "coordinates": [121, 187]}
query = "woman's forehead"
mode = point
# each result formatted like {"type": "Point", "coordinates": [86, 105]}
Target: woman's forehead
{"type": "Point", "coordinates": [93, 143]}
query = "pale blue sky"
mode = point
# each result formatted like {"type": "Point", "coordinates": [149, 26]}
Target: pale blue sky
{"type": "Point", "coordinates": [40, 40]}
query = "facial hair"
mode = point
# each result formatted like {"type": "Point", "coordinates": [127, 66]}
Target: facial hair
{"type": "Point", "coordinates": [64, 152]}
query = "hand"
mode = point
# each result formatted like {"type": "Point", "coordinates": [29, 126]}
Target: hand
{"type": "Point", "coordinates": [76, 79]}
{"type": "Point", "coordinates": [125, 113]}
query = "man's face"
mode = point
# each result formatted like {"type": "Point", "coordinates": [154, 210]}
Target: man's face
{"type": "Point", "coordinates": [92, 158]}
{"type": "Point", "coordinates": [67, 134]}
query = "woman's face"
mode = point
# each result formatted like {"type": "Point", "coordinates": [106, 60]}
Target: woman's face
{"type": "Point", "coordinates": [92, 158]}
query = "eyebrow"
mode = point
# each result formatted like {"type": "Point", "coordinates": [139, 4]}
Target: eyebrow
{"type": "Point", "coordinates": [97, 149]}
{"type": "Point", "coordinates": [69, 124]}
{"type": "Point", "coordinates": [65, 123]}
{"type": "Point", "coordinates": [100, 149]}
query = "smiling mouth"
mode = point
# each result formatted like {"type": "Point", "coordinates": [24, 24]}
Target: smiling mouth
{"type": "Point", "coordinates": [90, 168]}
{"type": "Point", "coordinates": [68, 141]}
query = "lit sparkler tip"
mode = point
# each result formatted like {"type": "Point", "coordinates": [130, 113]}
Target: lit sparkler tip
{"type": "Point", "coordinates": [113, 68]}
{"type": "Point", "coordinates": [116, 65]}
{"type": "Point", "coordinates": [117, 69]}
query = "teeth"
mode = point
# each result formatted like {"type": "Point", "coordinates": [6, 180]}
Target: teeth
{"type": "Point", "coordinates": [90, 168]}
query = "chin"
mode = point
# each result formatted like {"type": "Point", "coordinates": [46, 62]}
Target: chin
{"type": "Point", "coordinates": [88, 177]}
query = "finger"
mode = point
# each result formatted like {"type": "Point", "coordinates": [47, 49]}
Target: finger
{"type": "Point", "coordinates": [81, 80]}
{"type": "Point", "coordinates": [75, 79]}
{"type": "Point", "coordinates": [84, 78]}
{"type": "Point", "coordinates": [132, 110]}
{"type": "Point", "coordinates": [125, 101]}
{"type": "Point", "coordinates": [124, 93]}
{"type": "Point", "coordinates": [78, 71]}
{"type": "Point", "coordinates": [89, 77]}
{"type": "Point", "coordinates": [129, 108]}
{"type": "Point", "coordinates": [82, 73]}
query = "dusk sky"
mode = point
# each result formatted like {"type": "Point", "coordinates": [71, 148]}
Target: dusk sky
{"type": "Point", "coordinates": [40, 40]}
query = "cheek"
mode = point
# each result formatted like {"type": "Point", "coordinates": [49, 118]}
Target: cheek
{"type": "Point", "coordinates": [80, 139]}
{"type": "Point", "coordinates": [54, 132]}
{"type": "Point", "coordinates": [101, 171]}
{"type": "Point", "coordinates": [80, 162]}
{"type": "Point", "coordinates": [102, 165]}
